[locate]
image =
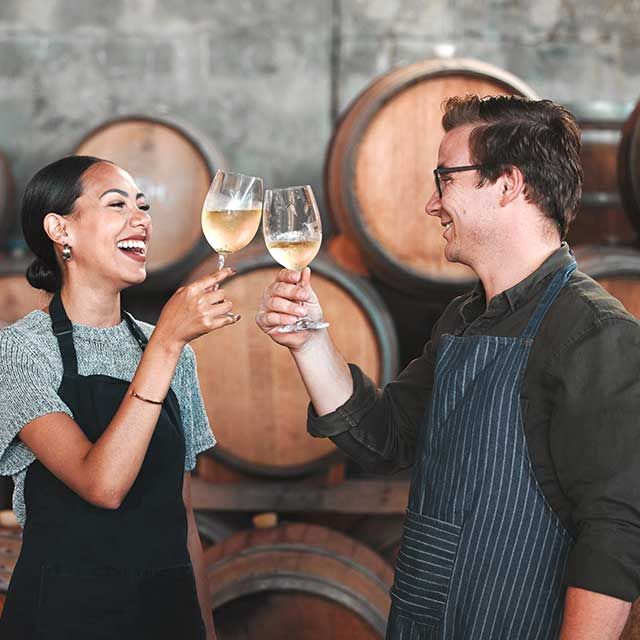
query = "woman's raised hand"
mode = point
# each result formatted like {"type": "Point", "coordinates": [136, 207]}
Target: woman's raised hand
{"type": "Point", "coordinates": [196, 309]}
{"type": "Point", "coordinates": [281, 305]}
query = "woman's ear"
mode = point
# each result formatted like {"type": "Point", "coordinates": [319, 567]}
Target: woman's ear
{"type": "Point", "coordinates": [511, 185]}
{"type": "Point", "coordinates": [55, 226]}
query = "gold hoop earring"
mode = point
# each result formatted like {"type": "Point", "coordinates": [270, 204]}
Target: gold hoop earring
{"type": "Point", "coordinates": [66, 253]}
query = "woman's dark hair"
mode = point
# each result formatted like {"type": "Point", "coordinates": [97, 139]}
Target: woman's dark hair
{"type": "Point", "coordinates": [55, 188]}
{"type": "Point", "coordinates": [539, 137]}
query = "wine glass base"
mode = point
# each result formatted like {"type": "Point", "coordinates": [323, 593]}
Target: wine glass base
{"type": "Point", "coordinates": [303, 325]}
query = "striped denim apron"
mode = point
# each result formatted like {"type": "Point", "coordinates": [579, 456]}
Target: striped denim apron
{"type": "Point", "coordinates": [482, 554]}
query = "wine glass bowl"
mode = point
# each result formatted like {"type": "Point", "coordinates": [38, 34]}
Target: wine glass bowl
{"type": "Point", "coordinates": [293, 234]}
{"type": "Point", "coordinates": [231, 212]}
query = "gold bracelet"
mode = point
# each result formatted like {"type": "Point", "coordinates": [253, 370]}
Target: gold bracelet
{"type": "Point", "coordinates": [135, 395]}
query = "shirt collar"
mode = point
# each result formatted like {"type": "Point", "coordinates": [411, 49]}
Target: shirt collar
{"type": "Point", "coordinates": [516, 296]}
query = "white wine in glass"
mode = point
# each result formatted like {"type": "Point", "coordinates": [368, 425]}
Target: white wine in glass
{"type": "Point", "coordinates": [231, 212]}
{"type": "Point", "coordinates": [293, 234]}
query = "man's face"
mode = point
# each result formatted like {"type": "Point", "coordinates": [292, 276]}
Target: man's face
{"type": "Point", "coordinates": [466, 211]}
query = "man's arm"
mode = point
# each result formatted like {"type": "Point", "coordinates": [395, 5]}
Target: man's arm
{"type": "Point", "coordinates": [593, 616]}
{"type": "Point", "coordinates": [323, 369]}
{"type": "Point", "coordinates": [594, 437]}
{"type": "Point", "coordinates": [377, 428]}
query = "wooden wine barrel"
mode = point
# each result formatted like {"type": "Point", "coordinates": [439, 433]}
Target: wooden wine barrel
{"type": "Point", "coordinates": [602, 218]}
{"type": "Point", "coordinates": [255, 399]}
{"type": "Point", "coordinates": [297, 581]}
{"type": "Point", "coordinates": [10, 545]}
{"type": "Point", "coordinates": [17, 296]}
{"type": "Point", "coordinates": [347, 255]}
{"type": "Point", "coordinates": [629, 166]}
{"type": "Point", "coordinates": [6, 198]}
{"type": "Point", "coordinates": [215, 527]}
{"type": "Point", "coordinates": [173, 167]}
{"type": "Point", "coordinates": [378, 169]}
{"type": "Point", "coordinates": [617, 269]}
{"type": "Point", "coordinates": [382, 533]}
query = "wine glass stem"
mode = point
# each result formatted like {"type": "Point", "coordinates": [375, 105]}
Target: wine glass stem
{"type": "Point", "coordinates": [229, 314]}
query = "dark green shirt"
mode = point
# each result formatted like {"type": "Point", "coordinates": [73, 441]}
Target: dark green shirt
{"type": "Point", "coordinates": [580, 403]}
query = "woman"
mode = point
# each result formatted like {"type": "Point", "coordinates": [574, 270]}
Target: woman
{"type": "Point", "coordinates": [100, 422]}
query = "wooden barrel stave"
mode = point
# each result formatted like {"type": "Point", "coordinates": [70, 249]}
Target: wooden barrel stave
{"type": "Point", "coordinates": [253, 394]}
{"type": "Point", "coordinates": [332, 576]}
{"type": "Point", "coordinates": [173, 166]}
{"type": "Point", "coordinates": [629, 166]}
{"type": "Point", "coordinates": [347, 255]}
{"type": "Point", "coordinates": [215, 527]}
{"type": "Point", "coordinates": [378, 169]}
{"type": "Point", "coordinates": [617, 269]}
{"type": "Point", "coordinates": [17, 296]}
{"type": "Point", "coordinates": [601, 218]}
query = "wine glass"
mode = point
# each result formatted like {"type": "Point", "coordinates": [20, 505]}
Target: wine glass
{"type": "Point", "coordinates": [293, 234]}
{"type": "Point", "coordinates": [231, 212]}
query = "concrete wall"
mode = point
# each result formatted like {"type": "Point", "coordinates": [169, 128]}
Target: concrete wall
{"type": "Point", "coordinates": [263, 79]}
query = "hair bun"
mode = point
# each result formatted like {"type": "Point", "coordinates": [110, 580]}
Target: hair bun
{"type": "Point", "coordinates": [41, 276]}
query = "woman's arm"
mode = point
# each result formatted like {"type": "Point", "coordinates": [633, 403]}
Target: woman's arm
{"type": "Point", "coordinates": [195, 553]}
{"type": "Point", "coordinates": [103, 472]}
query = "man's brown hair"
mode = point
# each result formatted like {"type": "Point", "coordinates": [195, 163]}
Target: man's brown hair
{"type": "Point", "coordinates": [539, 137]}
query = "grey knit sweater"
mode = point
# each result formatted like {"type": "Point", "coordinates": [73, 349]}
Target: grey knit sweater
{"type": "Point", "coordinates": [31, 372]}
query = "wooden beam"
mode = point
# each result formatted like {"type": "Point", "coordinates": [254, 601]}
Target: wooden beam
{"type": "Point", "coordinates": [352, 496]}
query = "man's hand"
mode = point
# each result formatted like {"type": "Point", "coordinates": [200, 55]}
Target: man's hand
{"type": "Point", "coordinates": [286, 300]}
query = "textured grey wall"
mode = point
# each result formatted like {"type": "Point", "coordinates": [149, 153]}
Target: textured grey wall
{"type": "Point", "coordinates": [263, 79]}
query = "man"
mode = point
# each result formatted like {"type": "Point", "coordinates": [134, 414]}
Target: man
{"type": "Point", "coordinates": [521, 416]}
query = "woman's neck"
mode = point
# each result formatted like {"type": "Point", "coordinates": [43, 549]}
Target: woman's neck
{"type": "Point", "coordinates": [91, 307]}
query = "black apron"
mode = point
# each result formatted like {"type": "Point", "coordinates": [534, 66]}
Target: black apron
{"type": "Point", "coordinates": [87, 573]}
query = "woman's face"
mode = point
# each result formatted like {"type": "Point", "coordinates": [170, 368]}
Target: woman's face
{"type": "Point", "coordinates": [109, 230]}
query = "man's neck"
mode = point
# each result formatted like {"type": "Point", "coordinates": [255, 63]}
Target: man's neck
{"type": "Point", "coordinates": [507, 268]}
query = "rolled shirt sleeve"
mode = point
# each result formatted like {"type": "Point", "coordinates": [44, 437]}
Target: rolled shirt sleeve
{"type": "Point", "coordinates": [595, 443]}
{"type": "Point", "coordinates": [379, 428]}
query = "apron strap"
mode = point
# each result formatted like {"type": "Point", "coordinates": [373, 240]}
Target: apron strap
{"type": "Point", "coordinates": [63, 331]}
{"type": "Point", "coordinates": [560, 278]}
{"type": "Point", "coordinates": [136, 331]}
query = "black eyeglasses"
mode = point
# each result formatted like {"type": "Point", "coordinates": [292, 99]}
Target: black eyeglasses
{"type": "Point", "coordinates": [441, 171]}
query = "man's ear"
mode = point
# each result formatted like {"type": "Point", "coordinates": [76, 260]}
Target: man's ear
{"type": "Point", "coordinates": [511, 185]}
{"type": "Point", "coordinates": [55, 226]}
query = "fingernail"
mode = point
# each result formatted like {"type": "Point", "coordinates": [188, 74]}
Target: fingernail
{"type": "Point", "coordinates": [216, 286]}
{"type": "Point", "coordinates": [237, 317]}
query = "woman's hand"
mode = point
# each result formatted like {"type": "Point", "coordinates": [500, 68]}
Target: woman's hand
{"type": "Point", "coordinates": [195, 310]}
{"type": "Point", "coordinates": [281, 305]}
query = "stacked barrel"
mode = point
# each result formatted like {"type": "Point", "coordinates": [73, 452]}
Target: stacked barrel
{"type": "Point", "coordinates": [378, 177]}
{"type": "Point", "coordinates": [605, 233]}
{"type": "Point", "coordinates": [383, 282]}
